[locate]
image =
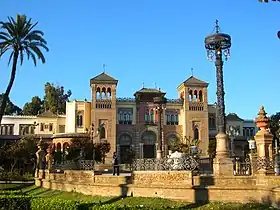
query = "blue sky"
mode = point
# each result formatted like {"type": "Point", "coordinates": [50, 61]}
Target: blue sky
{"type": "Point", "coordinates": [152, 41]}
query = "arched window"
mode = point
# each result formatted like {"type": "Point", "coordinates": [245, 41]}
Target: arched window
{"type": "Point", "coordinates": [149, 138]}
{"type": "Point", "coordinates": [102, 133]}
{"type": "Point", "coordinates": [152, 116]}
{"type": "Point", "coordinates": [195, 96]}
{"type": "Point", "coordinates": [196, 133]}
{"type": "Point", "coordinates": [125, 139]}
{"type": "Point", "coordinates": [103, 94]}
{"type": "Point", "coordinates": [146, 116]}
{"type": "Point", "coordinates": [108, 93]}
{"type": "Point", "coordinates": [98, 95]}
{"type": "Point", "coordinates": [190, 95]}
{"type": "Point", "coordinates": [79, 120]}
{"type": "Point", "coordinates": [200, 96]}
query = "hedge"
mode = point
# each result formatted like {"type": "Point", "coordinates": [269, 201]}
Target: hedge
{"type": "Point", "coordinates": [22, 202]}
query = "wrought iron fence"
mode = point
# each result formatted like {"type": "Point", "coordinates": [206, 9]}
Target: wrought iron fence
{"type": "Point", "coordinates": [264, 163]}
{"type": "Point", "coordinates": [75, 165]}
{"type": "Point", "coordinates": [165, 164]}
{"type": "Point", "coordinates": [242, 168]}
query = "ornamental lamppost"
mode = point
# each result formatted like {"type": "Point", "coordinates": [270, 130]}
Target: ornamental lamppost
{"type": "Point", "coordinates": [232, 132]}
{"type": "Point", "coordinates": [160, 103]}
{"type": "Point", "coordinates": [217, 45]}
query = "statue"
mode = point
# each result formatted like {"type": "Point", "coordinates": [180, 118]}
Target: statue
{"type": "Point", "coordinates": [49, 158]}
{"type": "Point", "coordinates": [40, 154]}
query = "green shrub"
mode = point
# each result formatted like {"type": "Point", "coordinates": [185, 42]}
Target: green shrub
{"type": "Point", "coordinates": [53, 204]}
{"type": "Point", "coordinates": [11, 192]}
{"type": "Point", "coordinates": [127, 207]}
{"type": "Point", "coordinates": [15, 176]}
{"type": "Point", "coordinates": [15, 202]}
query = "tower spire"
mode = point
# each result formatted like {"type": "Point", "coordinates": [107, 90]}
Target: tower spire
{"type": "Point", "coordinates": [104, 67]}
{"type": "Point", "coordinates": [192, 71]}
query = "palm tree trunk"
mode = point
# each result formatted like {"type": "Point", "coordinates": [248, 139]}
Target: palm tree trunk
{"type": "Point", "coordinates": [11, 82]}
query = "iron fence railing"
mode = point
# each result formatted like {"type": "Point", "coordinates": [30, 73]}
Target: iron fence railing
{"type": "Point", "coordinates": [165, 164]}
{"type": "Point", "coordinates": [75, 165]}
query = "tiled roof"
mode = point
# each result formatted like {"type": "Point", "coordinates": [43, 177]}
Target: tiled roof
{"type": "Point", "coordinates": [47, 114]}
{"type": "Point", "coordinates": [233, 117]}
{"type": "Point", "coordinates": [103, 78]}
{"type": "Point", "coordinates": [149, 90]}
{"type": "Point", "coordinates": [192, 81]}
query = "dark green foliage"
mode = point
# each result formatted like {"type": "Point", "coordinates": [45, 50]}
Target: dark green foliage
{"type": "Point", "coordinates": [53, 204]}
{"type": "Point", "coordinates": [183, 146]}
{"type": "Point", "coordinates": [21, 151]}
{"type": "Point", "coordinates": [55, 98]}
{"type": "Point", "coordinates": [15, 202]}
{"type": "Point", "coordinates": [15, 176]}
{"type": "Point", "coordinates": [274, 126]}
{"type": "Point", "coordinates": [103, 148]}
{"type": "Point", "coordinates": [85, 144]}
{"type": "Point", "coordinates": [34, 107]}
{"type": "Point", "coordinates": [212, 148]}
{"type": "Point", "coordinates": [10, 107]}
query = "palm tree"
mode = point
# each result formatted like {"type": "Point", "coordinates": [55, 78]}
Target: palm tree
{"type": "Point", "coordinates": [18, 37]}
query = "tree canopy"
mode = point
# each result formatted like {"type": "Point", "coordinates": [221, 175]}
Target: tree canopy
{"type": "Point", "coordinates": [10, 107]}
{"type": "Point", "coordinates": [55, 98]}
{"type": "Point", "coordinates": [20, 39]}
{"type": "Point", "coordinates": [34, 107]}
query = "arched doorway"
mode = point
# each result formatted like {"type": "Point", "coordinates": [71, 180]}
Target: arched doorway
{"type": "Point", "coordinates": [196, 133]}
{"type": "Point", "coordinates": [125, 142]}
{"type": "Point", "coordinates": [149, 148]}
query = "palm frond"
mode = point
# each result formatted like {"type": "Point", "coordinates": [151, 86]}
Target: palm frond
{"type": "Point", "coordinates": [30, 54]}
{"type": "Point", "coordinates": [21, 56]}
{"type": "Point", "coordinates": [18, 35]}
{"type": "Point", "coordinates": [38, 52]}
{"type": "Point", "coordinates": [40, 45]}
{"type": "Point", "coordinates": [10, 58]}
{"type": "Point", "coordinates": [5, 35]}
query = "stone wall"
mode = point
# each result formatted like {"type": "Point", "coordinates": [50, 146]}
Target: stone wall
{"type": "Point", "coordinates": [167, 184]}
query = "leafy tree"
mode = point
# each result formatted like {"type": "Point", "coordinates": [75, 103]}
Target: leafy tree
{"type": "Point", "coordinates": [212, 148]}
{"type": "Point", "coordinates": [179, 146]}
{"type": "Point", "coordinates": [274, 126]}
{"type": "Point", "coordinates": [19, 37]}
{"type": "Point", "coordinates": [34, 107]}
{"type": "Point", "coordinates": [10, 107]}
{"type": "Point", "coordinates": [21, 150]}
{"type": "Point", "coordinates": [55, 98]}
{"type": "Point", "coordinates": [103, 148]}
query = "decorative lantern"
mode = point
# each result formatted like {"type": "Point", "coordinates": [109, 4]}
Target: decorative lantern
{"type": "Point", "coordinates": [252, 144]}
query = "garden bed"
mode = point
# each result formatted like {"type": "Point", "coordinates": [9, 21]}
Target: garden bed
{"type": "Point", "coordinates": [39, 198]}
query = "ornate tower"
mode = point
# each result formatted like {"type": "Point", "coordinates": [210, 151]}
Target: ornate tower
{"type": "Point", "coordinates": [103, 109]}
{"type": "Point", "coordinates": [195, 111]}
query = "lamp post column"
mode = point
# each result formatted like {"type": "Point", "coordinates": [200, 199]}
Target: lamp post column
{"type": "Point", "coordinates": [217, 45]}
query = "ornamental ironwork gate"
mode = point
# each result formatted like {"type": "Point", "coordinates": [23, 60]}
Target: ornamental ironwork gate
{"type": "Point", "coordinates": [165, 164]}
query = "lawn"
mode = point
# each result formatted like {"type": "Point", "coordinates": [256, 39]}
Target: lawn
{"type": "Point", "coordinates": [142, 203]}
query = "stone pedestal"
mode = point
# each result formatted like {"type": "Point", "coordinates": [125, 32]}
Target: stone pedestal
{"type": "Point", "coordinates": [159, 154]}
{"type": "Point", "coordinates": [222, 165]}
{"type": "Point", "coordinates": [263, 140]}
{"type": "Point", "coordinates": [222, 145]}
